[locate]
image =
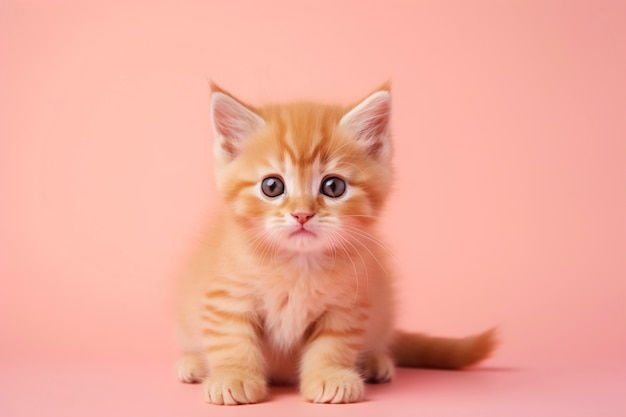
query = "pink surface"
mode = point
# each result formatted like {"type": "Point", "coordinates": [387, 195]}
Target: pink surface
{"type": "Point", "coordinates": [509, 206]}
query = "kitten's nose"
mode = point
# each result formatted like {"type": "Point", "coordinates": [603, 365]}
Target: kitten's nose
{"type": "Point", "coordinates": [302, 217]}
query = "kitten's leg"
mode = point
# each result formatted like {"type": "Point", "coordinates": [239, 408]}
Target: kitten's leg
{"type": "Point", "coordinates": [329, 372]}
{"type": "Point", "coordinates": [378, 367]}
{"type": "Point", "coordinates": [191, 368]}
{"type": "Point", "coordinates": [236, 374]}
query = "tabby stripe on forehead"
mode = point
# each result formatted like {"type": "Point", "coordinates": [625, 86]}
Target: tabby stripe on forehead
{"type": "Point", "coordinates": [313, 155]}
{"type": "Point", "coordinates": [298, 156]}
{"type": "Point", "coordinates": [287, 148]}
{"type": "Point", "coordinates": [316, 151]}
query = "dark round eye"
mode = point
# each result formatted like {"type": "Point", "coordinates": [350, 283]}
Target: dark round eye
{"type": "Point", "coordinates": [272, 186]}
{"type": "Point", "coordinates": [333, 187]}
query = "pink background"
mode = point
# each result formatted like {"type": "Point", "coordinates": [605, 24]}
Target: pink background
{"type": "Point", "coordinates": [509, 207]}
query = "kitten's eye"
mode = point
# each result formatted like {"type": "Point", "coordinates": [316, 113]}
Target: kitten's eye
{"type": "Point", "coordinates": [333, 187]}
{"type": "Point", "coordinates": [272, 186]}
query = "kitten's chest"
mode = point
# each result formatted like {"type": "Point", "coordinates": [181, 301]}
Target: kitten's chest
{"type": "Point", "coordinates": [293, 301]}
{"type": "Point", "coordinates": [289, 310]}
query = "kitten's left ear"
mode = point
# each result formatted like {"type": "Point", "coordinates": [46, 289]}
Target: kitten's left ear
{"type": "Point", "coordinates": [369, 121]}
{"type": "Point", "coordinates": [233, 123]}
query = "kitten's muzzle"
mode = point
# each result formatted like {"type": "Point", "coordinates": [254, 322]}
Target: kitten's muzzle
{"type": "Point", "coordinates": [303, 217]}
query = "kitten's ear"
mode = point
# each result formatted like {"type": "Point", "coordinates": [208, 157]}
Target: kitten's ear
{"type": "Point", "coordinates": [369, 121]}
{"type": "Point", "coordinates": [233, 122]}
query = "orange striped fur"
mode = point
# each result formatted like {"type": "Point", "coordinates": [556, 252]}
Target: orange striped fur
{"type": "Point", "coordinates": [296, 287]}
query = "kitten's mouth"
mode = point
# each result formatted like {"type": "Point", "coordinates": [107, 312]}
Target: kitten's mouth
{"type": "Point", "coordinates": [302, 232]}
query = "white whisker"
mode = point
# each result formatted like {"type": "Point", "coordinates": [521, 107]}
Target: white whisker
{"type": "Point", "coordinates": [374, 257]}
{"type": "Point", "coordinates": [354, 231]}
{"type": "Point", "coordinates": [362, 261]}
{"type": "Point", "coordinates": [338, 241]}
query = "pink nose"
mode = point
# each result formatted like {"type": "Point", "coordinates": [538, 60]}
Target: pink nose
{"type": "Point", "coordinates": [302, 217]}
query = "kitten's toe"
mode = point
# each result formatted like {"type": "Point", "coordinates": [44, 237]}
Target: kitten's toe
{"type": "Point", "coordinates": [378, 368]}
{"type": "Point", "coordinates": [190, 368]}
{"type": "Point", "coordinates": [338, 386]}
{"type": "Point", "coordinates": [233, 389]}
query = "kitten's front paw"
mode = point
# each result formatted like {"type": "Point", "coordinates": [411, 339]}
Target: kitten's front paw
{"type": "Point", "coordinates": [233, 389]}
{"type": "Point", "coordinates": [339, 386]}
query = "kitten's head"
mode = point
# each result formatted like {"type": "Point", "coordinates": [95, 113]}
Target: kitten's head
{"type": "Point", "coordinates": [303, 177]}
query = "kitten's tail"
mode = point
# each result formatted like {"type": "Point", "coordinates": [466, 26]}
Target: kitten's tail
{"type": "Point", "coordinates": [422, 351]}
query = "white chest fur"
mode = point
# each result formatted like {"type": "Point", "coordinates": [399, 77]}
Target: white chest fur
{"type": "Point", "coordinates": [288, 316]}
{"type": "Point", "coordinates": [299, 295]}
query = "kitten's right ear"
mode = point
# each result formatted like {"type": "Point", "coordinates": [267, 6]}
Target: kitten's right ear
{"type": "Point", "coordinates": [369, 121]}
{"type": "Point", "coordinates": [233, 122]}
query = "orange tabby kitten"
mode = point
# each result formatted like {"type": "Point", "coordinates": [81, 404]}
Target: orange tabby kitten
{"type": "Point", "coordinates": [291, 283]}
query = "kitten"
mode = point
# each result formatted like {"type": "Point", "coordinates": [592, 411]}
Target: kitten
{"type": "Point", "coordinates": [291, 283]}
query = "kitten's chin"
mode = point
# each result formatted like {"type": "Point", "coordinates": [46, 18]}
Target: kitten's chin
{"type": "Point", "coordinates": [302, 241]}
{"type": "Point", "coordinates": [302, 233]}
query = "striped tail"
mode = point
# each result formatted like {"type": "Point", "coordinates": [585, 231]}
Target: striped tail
{"type": "Point", "coordinates": [422, 351]}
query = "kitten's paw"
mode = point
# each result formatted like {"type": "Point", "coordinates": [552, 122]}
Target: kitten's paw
{"type": "Point", "coordinates": [190, 368]}
{"type": "Point", "coordinates": [232, 389]}
{"type": "Point", "coordinates": [378, 367]}
{"type": "Point", "coordinates": [339, 386]}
